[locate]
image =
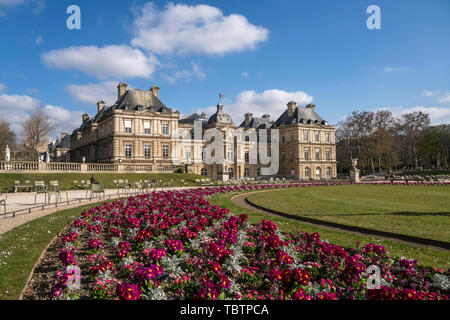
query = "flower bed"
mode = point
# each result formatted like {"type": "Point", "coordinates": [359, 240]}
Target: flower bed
{"type": "Point", "coordinates": [175, 245]}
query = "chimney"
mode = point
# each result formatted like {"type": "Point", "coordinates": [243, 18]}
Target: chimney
{"type": "Point", "coordinates": [121, 89]}
{"type": "Point", "coordinates": [311, 106]}
{"type": "Point", "coordinates": [100, 105]}
{"type": "Point", "coordinates": [155, 91]}
{"type": "Point", "coordinates": [203, 115]}
{"type": "Point", "coordinates": [266, 116]}
{"type": "Point", "coordinates": [63, 134]}
{"type": "Point", "coordinates": [84, 117]}
{"type": "Point", "coordinates": [248, 117]}
{"type": "Point", "coordinates": [291, 107]}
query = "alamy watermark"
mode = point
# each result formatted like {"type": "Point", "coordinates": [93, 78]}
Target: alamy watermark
{"type": "Point", "coordinates": [228, 146]}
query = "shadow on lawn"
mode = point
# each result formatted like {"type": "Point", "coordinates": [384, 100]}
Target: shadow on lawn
{"type": "Point", "coordinates": [406, 213]}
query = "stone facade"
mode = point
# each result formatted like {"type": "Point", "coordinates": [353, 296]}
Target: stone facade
{"type": "Point", "coordinates": [138, 129]}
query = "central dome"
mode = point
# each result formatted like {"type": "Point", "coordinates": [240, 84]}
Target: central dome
{"type": "Point", "coordinates": [220, 117]}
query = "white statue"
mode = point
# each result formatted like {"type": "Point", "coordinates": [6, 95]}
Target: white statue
{"type": "Point", "coordinates": [47, 157]}
{"type": "Point", "coordinates": [7, 153]}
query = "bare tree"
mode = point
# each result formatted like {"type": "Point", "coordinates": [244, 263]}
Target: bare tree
{"type": "Point", "coordinates": [36, 130]}
{"type": "Point", "coordinates": [7, 137]}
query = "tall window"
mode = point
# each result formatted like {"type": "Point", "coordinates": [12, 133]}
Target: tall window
{"type": "Point", "coordinates": [317, 154]}
{"type": "Point", "coordinates": [329, 172]}
{"type": "Point", "coordinates": [128, 150]}
{"type": "Point", "coordinates": [165, 128]}
{"type": "Point", "coordinates": [230, 173]}
{"type": "Point", "coordinates": [292, 172]}
{"type": "Point", "coordinates": [246, 172]}
{"type": "Point", "coordinates": [283, 156]}
{"type": "Point", "coordinates": [147, 151]}
{"type": "Point", "coordinates": [188, 155]}
{"type": "Point", "coordinates": [306, 172]}
{"type": "Point", "coordinates": [291, 155]}
{"type": "Point", "coordinates": [246, 155]}
{"type": "Point", "coordinates": [165, 151]}
{"type": "Point", "coordinates": [318, 172]}
{"type": "Point", "coordinates": [328, 154]}
{"type": "Point", "coordinates": [128, 126]}
{"type": "Point", "coordinates": [306, 154]}
{"type": "Point", "coordinates": [204, 172]}
{"type": "Point", "coordinates": [204, 154]}
{"type": "Point", "coordinates": [282, 139]}
{"type": "Point", "coordinates": [259, 171]}
{"type": "Point", "coordinates": [147, 127]}
{"type": "Point", "coordinates": [229, 153]}
{"type": "Point", "coordinates": [305, 136]}
{"type": "Point", "coordinates": [292, 136]}
{"type": "Point", "coordinates": [316, 136]}
{"type": "Point", "coordinates": [327, 137]}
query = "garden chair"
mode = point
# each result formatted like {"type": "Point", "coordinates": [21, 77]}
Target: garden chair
{"type": "Point", "coordinates": [54, 189]}
{"type": "Point", "coordinates": [40, 188]}
{"type": "Point", "coordinates": [97, 188]}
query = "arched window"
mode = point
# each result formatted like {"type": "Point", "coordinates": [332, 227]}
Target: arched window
{"type": "Point", "coordinates": [306, 172]}
{"type": "Point", "coordinates": [204, 172]}
{"type": "Point", "coordinates": [246, 172]}
{"type": "Point", "coordinates": [329, 172]}
{"type": "Point", "coordinates": [318, 172]}
{"type": "Point", "coordinates": [230, 173]}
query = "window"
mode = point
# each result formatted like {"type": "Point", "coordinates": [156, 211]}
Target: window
{"type": "Point", "coordinates": [329, 172]}
{"type": "Point", "coordinates": [203, 154]}
{"type": "Point", "coordinates": [318, 172]}
{"type": "Point", "coordinates": [165, 151]}
{"type": "Point", "coordinates": [229, 153]}
{"type": "Point", "coordinates": [327, 137]}
{"type": "Point", "coordinates": [328, 154]}
{"type": "Point", "coordinates": [246, 155]}
{"type": "Point", "coordinates": [246, 172]}
{"type": "Point", "coordinates": [282, 139]}
{"type": "Point", "coordinates": [316, 136]}
{"type": "Point", "coordinates": [128, 126]}
{"type": "Point", "coordinates": [259, 171]}
{"type": "Point", "coordinates": [247, 138]}
{"type": "Point", "coordinates": [204, 172]}
{"type": "Point", "coordinates": [317, 154]}
{"type": "Point", "coordinates": [147, 151]}
{"type": "Point", "coordinates": [292, 172]}
{"type": "Point", "coordinates": [230, 173]}
{"type": "Point", "coordinates": [306, 154]}
{"type": "Point", "coordinates": [165, 128]}
{"type": "Point", "coordinates": [291, 155]}
{"type": "Point", "coordinates": [306, 172]}
{"type": "Point", "coordinates": [283, 156]}
{"type": "Point", "coordinates": [147, 127]}
{"type": "Point", "coordinates": [305, 136]}
{"type": "Point", "coordinates": [292, 136]}
{"type": "Point", "coordinates": [128, 150]}
{"type": "Point", "coordinates": [188, 155]}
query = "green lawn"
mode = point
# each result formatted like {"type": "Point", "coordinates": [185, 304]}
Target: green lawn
{"type": "Point", "coordinates": [422, 211]}
{"type": "Point", "coordinates": [426, 257]}
{"type": "Point", "coordinates": [66, 179]}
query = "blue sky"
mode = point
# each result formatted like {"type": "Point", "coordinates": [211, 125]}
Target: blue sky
{"type": "Point", "coordinates": [259, 54]}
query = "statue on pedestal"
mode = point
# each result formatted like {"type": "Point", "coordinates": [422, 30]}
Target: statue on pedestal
{"type": "Point", "coordinates": [354, 173]}
{"type": "Point", "coordinates": [7, 153]}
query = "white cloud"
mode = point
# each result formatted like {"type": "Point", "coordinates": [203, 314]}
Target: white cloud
{"type": "Point", "coordinates": [429, 93]}
{"type": "Point", "coordinates": [187, 75]}
{"type": "Point", "coordinates": [2, 87]}
{"type": "Point", "coordinates": [199, 29]}
{"type": "Point", "coordinates": [392, 69]}
{"type": "Point", "coordinates": [110, 61]}
{"type": "Point", "coordinates": [245, 75]}
{"type": "Point", "coordinates": [437, 115]}
{"type": "Point", "coordinates": [272, 102]}
{"type": "Point", "coordinates": [445, 98]}
{"type": "Point", "coordinates": [93, 92]}
{"type": "Point", "coordinates": [10, 3]}
{"type": "Point", "coordinates": [39, 40]}
{"type": "Point", "coordinates": [16, 108]}
{"type": "Point", "coordinates": [64, 119]}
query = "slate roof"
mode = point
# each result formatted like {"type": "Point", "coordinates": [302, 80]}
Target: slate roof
{"type": "Point", "coordinates": [191, 118]}
{"type": "Point", "coordinates": [257, 123]}
{"type": "Point", "coordinates": [301, 115]}
{"type": "Point", "coordinates": [64, 143]}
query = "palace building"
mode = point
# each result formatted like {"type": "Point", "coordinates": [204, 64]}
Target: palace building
{"type": "Point", "coordinates": [138, 129]}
